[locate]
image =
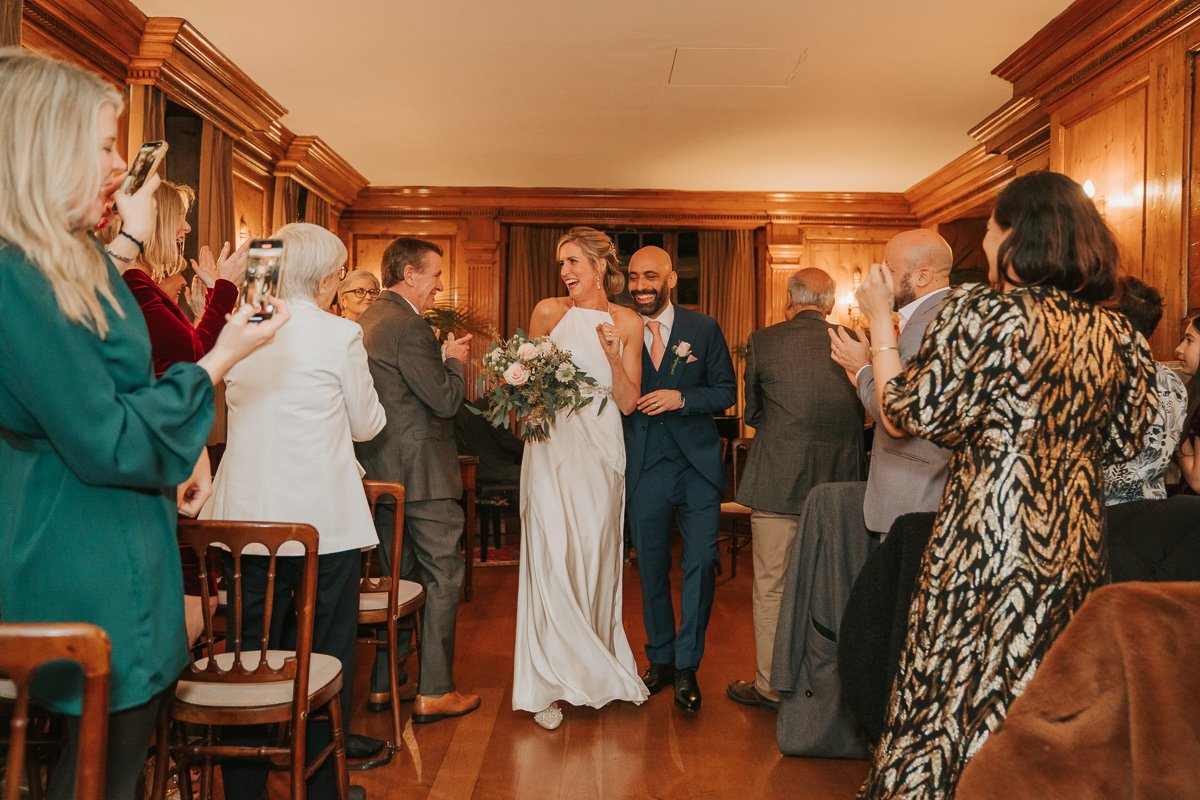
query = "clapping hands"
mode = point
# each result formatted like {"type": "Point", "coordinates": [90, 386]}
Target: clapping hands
{"type": "Point", "coordinates": [226, 266]}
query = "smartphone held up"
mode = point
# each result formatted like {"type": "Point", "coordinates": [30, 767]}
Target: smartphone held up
{"type": "Point", "coordinates": [148, 157]}
{"type": "Point", "coordinates": [264, 265]}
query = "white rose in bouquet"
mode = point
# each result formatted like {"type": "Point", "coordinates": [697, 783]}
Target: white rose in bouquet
{"type": "Point", "coordinates": [516, 374]}
{"type": "Point", "coordinates": [527, 351]}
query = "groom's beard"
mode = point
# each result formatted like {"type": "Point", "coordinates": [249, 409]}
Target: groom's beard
{"type": "Point", "coordinates": [650, 307]}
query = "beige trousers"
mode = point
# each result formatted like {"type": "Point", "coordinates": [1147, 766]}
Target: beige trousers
{"type": "Point", "coordinates": [772, 536]}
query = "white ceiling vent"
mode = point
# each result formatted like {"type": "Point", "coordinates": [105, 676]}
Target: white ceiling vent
{"type": "Point", "coordinates": [735, 66]}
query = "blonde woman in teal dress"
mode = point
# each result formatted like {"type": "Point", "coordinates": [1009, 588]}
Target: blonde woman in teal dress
{"type": "Point", "coordinates": [92, 446]}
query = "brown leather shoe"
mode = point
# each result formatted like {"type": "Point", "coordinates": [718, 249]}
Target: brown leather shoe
{"type": "Point", "coordinates": [451, 704]}
{"type": "Point", "coordinates": [747, 694]}
{"type": "Point", "coordinates": [382, 701]}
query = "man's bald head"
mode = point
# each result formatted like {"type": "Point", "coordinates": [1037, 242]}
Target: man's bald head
{"type": "Point", "coordinates": [920, 261]}
{"type": "Point", "coordinates": [651, 279]}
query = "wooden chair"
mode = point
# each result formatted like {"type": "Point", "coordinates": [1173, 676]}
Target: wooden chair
{"type": "Point", "coordinates": [24, 648]}
{"type": "Point", "coordinates": [735, 517]}
{"type": "Point", "coordinates": [384, 600]}
{"type": "Point", "coordinates": [263, 686]}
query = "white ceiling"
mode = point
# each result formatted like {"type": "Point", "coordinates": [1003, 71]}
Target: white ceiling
{"type": "Point", "coordinates": [580, 94]}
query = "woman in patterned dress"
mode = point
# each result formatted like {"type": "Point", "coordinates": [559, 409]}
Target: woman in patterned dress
{"type": "Point", "coordinates": [1032, 386]}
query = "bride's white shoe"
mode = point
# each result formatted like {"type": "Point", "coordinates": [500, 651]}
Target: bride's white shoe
{"type": "Point", "coordinates": [549, 718]}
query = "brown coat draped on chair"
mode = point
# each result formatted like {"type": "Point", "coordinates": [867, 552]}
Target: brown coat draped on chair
{"type": "Point", "coordinates": [1112, 712]}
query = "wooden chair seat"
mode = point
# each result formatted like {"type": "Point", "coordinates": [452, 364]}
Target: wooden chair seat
{"type": "Point", "coordinates": [324, 680]}
{"type": "Point", "coordinates": [733, 510]}
{"type": "Point", "coordinates": [408, 595]}
{"type": "Point", "coordinates": [735, 517]}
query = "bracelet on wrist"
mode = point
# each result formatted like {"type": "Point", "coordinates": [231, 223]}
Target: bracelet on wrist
{"type": "Point", "coordinates": [877, 350]}
{"type": "Point", "coordinates": [119, 257]}
{"type": "Point", "coordinates": [141, 246]}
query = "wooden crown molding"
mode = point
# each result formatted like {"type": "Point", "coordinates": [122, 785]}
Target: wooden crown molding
{"type": "Point", "coordinates": [1019, 126]}
{"type": "Point", "coordinates": [1089, 38]}
{"type": "Point", "coordinates": [961, 186]}
{"type": "Point", "coordinates": [178, 59]}
{"type": "Point", "coordinates": [633, 206]}
{"type": "Point", "coordinates": [100, 34]}
{"type": "Point", "coordinates": [310, 161]}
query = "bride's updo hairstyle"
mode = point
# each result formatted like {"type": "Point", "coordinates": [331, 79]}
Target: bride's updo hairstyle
{"type": "Point", "coordinates": [601, 253]}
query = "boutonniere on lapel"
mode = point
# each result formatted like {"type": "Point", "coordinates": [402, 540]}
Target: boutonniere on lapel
{"type": "Point", "coordinates": [681, 350]}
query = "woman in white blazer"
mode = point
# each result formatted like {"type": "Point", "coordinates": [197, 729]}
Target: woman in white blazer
{"type": "Point", "coordinates": [294, 413]}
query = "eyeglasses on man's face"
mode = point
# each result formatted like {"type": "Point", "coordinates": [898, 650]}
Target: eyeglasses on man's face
{"type": "Point", "coordinates": [362, 293]}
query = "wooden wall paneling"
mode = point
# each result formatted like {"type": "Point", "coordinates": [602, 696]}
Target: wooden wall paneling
{"type": "Point", "coordinates": [840, 253]}
{"type": "Point", "coordinates": [1125, 131]}
{"type": "Point", "coordinates": [1193, 172]}
{"type": "Point", "coordinates": [1164, 263]}
{"type": "Point", "coordinates": [10, 22]}
{"type": "Point", "coordinates": [1106, 144]}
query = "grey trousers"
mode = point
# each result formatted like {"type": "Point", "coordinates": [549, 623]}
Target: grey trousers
{"type": "Point", "coordinates": [430, 556]}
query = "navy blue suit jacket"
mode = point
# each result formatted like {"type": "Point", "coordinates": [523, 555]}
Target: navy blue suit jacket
{"type": "Point", "coordinates": [708, 387]}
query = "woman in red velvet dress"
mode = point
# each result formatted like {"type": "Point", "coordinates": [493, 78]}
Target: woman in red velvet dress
{"type": "Point", "coordinates": [173, 337]}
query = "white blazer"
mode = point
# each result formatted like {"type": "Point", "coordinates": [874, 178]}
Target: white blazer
{"type": "Point", "coordinates": [295, 408]}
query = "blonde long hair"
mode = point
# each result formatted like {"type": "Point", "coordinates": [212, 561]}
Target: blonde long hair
{"type": "Point", "coordinates": [172, 201]}
{"type": "Point", "coordinates": [49, 176]}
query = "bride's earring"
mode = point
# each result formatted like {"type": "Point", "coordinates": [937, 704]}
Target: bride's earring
{"type": "Point", "coordinates": [599, 281]}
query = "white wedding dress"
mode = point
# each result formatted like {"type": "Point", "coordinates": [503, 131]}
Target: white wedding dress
{"type": "Point", "coordinates": [571, 644]}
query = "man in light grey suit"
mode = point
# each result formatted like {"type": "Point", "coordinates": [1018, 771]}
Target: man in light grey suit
{"type": "Point", "coordinates": [420, 385]}
{"type": "Point", "coordinates": [907, 475]}
{"type": "Point", "coordinates": [810, 431]}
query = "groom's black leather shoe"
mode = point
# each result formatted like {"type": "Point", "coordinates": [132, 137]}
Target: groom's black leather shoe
{"type": "Point", "coordinates": [687, 691]}
{"type": "Point", "coordinates": [658, 677]}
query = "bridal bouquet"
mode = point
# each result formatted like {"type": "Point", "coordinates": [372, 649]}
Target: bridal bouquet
{"type": "Point", "coordinates": [531, 380]}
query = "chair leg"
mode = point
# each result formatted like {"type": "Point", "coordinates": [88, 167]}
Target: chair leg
{"type": "Point", "coordinates": [162, 751]}
{"type": "Point", "coordinates": [339, 744]}
{"type": "Point", "coordinates": [485, 522]}
{"type": "Point", "coordinates": [393, 651]}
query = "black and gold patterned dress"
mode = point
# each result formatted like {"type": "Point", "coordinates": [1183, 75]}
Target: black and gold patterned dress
{"type": "Point", "coordinates": [1032, 389]}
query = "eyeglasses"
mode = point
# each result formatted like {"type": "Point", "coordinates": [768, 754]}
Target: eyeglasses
{"type": "Point", "coordinates": [361, 293]}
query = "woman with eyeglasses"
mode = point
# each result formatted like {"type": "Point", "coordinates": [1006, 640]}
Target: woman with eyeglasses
{"type": "Point", "coordinates": [355, 294]}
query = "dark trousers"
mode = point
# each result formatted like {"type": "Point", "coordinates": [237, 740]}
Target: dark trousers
{"type": "Point", "coordinates": [128, 739]}
{"type": "Point", "coordinates": [335, 628]}
{"type": "Point", "coordinates": [430, 556]}
{"type": "Point", "coordinates": [673, 485]}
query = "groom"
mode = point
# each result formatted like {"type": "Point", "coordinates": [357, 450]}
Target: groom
{"type": "Point", "coordinates": [673, 464]}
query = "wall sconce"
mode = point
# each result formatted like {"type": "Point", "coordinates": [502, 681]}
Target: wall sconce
{"type": "Point", "coordinates": [1089, 189]}
{"type": "Point", "coordinates": [854, 317]}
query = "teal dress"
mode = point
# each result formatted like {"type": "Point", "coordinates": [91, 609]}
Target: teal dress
{"type": "Point", "coordinates": [91, 450]}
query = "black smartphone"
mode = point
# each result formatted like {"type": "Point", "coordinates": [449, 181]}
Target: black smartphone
{"type": "Point", "coordinates": [148, 157]}
{"type": "Point", "coordinates": [264, 265]}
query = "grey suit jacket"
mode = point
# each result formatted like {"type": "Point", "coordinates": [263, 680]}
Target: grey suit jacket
{"type": "Point", "coordinates": [420, 395]}
{"type": "Point", "coordinates": [907, 475]}
{"type": "Point", "coordinates": [810, 423]}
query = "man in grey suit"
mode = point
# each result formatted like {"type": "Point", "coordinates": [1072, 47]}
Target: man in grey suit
{"type": "Point", "coordinates": [420, 385]}
{"type": "Point", "coordinates": [810, 431]}
{"type": "Point", "coordinates": [907, 474]}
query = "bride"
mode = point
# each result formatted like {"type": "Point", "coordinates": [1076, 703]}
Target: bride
{"type": "Point", "coordinates": [571, 644]}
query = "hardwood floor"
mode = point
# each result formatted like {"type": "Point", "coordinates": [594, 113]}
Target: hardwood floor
{"type": "Point", "coordinates": [621, 751]}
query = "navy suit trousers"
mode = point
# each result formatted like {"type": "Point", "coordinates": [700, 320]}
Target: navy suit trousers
{"type": "Point", "coordinates": [669, 485]}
